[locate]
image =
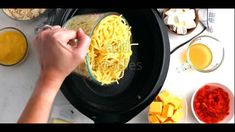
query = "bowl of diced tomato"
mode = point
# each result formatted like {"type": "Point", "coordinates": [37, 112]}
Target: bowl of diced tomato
{"type": "Point", "coordinates": [213, 103]}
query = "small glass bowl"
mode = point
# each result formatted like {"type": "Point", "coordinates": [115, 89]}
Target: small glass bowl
{"type": "Point", "coordinates": [26, 50]}
{"type": "Point", "coordinates": [216, 48]}
{"type": "Point", "coordinates": [90, 22]}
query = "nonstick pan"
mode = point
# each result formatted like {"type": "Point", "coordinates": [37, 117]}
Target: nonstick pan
{"type": "Point", "coordinates": [144, 77]}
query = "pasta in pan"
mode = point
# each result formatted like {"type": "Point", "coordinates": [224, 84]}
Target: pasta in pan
{"type": "Point", "coordinates": [110, 48]}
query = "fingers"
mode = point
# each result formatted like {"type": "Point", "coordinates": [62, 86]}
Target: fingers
{"type": "Point", "coordinates": [83, 45]}
{"type": "Point", "coordinates": [81, 34]}
{"type": "Point", "coordinates": [63, 36]}
{"type": "Point", "coordinates": [66, 35]}
{"type": "Point", "coordinates": [46, 28]}
{"type": "Point", "coordinates": [56, 27]}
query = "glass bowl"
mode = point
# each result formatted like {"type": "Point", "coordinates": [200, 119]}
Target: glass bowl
{"type": "Point", "coordinates": [216, 50]}
{"type": "Point", "coordinates": [26, 49]}
{"type": "Point", "coordinates": [88, 22]}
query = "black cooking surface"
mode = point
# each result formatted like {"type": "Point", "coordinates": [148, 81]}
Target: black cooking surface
{"type": "Point", "coordinates": [143, 77]}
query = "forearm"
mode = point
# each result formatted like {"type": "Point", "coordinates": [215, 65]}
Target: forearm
{"type": "Point", "coordinates": [38, 108]}
{"type": "Point", "coordinates": [57, 60]}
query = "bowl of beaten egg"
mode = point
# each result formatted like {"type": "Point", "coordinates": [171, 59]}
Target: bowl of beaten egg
{"type": "Point", "coordinates": [110, 49]}
{"type": "Point", "coordinates": [13, 46]}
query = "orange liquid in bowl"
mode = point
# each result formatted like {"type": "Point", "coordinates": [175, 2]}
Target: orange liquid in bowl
{"type": "Point", "coordinates": [200, 56]}
{"type": "Point", "coordinates": [13, 46]}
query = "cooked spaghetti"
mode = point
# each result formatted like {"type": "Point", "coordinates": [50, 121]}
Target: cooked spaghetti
{"type": "Point", "coordinates": [110, 49]}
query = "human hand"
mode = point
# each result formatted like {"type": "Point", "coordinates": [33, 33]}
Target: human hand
{"type": "Point", "coordinates": [56, 57]}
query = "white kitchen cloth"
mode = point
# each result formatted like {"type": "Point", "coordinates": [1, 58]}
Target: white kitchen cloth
{"type": "Point", "coordinates": [206, 16]}
{"type": "Point", "coordinates": [69, 114]}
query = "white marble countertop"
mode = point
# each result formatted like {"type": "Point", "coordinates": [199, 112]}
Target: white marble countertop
{"type": "Point", "coordinates": [17, 82]}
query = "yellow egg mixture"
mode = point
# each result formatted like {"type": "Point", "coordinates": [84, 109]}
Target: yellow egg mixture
{"type": "Point", "coordinates": [13, 47]}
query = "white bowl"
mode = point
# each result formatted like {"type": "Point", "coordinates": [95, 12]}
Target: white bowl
{"type": "Point", "coordinates": [231, 103]}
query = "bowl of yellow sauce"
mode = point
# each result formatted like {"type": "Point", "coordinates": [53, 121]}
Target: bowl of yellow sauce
{"type": "Point", "coordinates": [205, 53]}
{"type": "Point", "coordinates": [200, 56]}
{"type": "Point", "coordinates": [13, 46]}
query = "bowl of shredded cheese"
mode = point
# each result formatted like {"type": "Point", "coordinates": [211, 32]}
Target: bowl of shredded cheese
{"type": "Point", "coordinates": [110, 49]}
{"type": "Point", "coordinates": [13, 46]}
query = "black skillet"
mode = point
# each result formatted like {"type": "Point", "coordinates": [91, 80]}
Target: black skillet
{"type": "Point", "coordinates": [144, 77]}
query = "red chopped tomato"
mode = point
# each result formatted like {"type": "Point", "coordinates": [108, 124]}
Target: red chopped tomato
{"type": "Point", "coordinates": [211, 104]}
